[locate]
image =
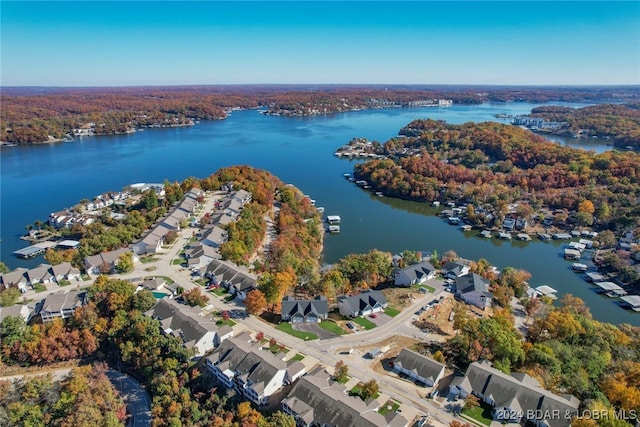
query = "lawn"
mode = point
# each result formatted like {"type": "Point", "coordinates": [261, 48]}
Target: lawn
{"type": "Point", "coordinates": [218, 291]}
{"type": "Point", "coordinates": [64, 282]}
{"type": "Point", "coordinates": [391, 312]}
{"type": "Point", "coordinates": [344, 380]}
{"type": "Point", "coordinates": [364, 322]}
{"type": "Point", "coordinates": [481, 414]}
{"type": "Point", "coordinates": [167, 279]}
{"type": "Point", "coordinates": [332, 327]}
{"type": "Point", "coordinates": [429, 289]}
{"type": "Point", "coordinates": [286, 327]}
{"type": "Point", "coordinates": [298, 357]}
{"type": "Point", "coordinates": [201, 281]}
{"type": "Point", "coordinates": [227, 322]}
{"type": "Point", "coordinates": [178, 261]}
{"type": "Point", "coordinates": [39, 287]}
{"type": "Point", "coordinates": [357, 390]}
{"type": "Point", "coordinates": [149, 259]}
{"type": "Point", "coordinates": [390, 406]}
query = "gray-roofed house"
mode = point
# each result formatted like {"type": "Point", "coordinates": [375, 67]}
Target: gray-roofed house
{"type": "Point", "coordinates": [415, 274]}
{"type": "Point", "coordinates": [107, 260]}
{"type": "Point", "coordinates": [15, 279]}
{"type": "Point", "coordinates": [214, 237]}
{"type": "Point", "coordinates": [460, 386]}
{"type": "Point", "coordinates": [243, 196]}
{"type": "Point", "coordinates": [363, 304]}
{"type": "Point", "coordinates": [65, 271]}
{"type": "Point", "coordinates": [453, 270]}
{"type": "Point", "coordinates": [61, 304]}
{"type": "Point", "coordinates": [318, 400]}
{"type": "Point", "coordinates": [256, 373]}
{"type": "Point", "coordinates": [18, 310]}
{"type": "Point", "coordinates": [235, 279]}
{"type": "Point", "coordinates": [474, 290]}
{"type": "Point", "coordinates": [154, 284]}
{"type": "Point", "coordinates": [40, 274]}
{"type": "Point", "coordinates": [418, 367]}
{"type": "Point", "coordinates": [310, 311]}
{"type": "Point", "coordinates": [197, 332]}
{"type": "Point", "coordinates": [518, 397]}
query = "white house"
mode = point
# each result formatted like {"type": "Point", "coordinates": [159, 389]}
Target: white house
{"type": "Point", "coordinates": [363, 304]}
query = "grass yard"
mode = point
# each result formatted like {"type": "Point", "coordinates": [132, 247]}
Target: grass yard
{"type": "Point", "coordinates": [149, 259]}
{"type": "Point", "coordinates": [481, 414]}
{"type": "Point", "coordinates": [286, 327]}
{"type": "Point", "coordinates": [390, 406]}
{"type": "Point", "coordinates": [218, 291]}
{"type": "Point", "coordinates": [357, 391]}
{"type": "Point", "coordinates": [391, 312]}
{"type": "Point", "coordinates": [201, 281]}
{"type": "Point", "coordinates": [344, 380]}
{"type": "Point", "coordinates": [332, 327]}
{"type": "Point", "coordinates": [64, 282]}
{"type": "Point", "coordinates": [178, 261]}
{"type": "Point", "coordinates": [429, 289]}
{"type": "Point", "coordinates": [364, 322]}
{"type": "Point", "coordinates": [167, 279]}
{"type": "Point", "coordinates": [227, 322]}
{"type": "Point", "coordinates": [298, 357]}
{"type": "Point", "coordinates": [39, 287]}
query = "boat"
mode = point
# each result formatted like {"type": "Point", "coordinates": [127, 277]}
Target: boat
{"type": "Point", "coordinates": [379, 193]}
{"type": "Point", "coordinates": [347, 175]}
{"type": "Point", "coordinates": [485, 233]}
{"type": "Point", "coordinates": [504, 235]}
{"type": "Point", "coordinates": [576, 266]}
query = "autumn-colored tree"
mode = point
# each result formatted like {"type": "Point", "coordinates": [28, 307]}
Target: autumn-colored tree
{"type": "Point", "coordinates": [225, 315]}
{"type": "Point", "coordinates": [195, 297]}
{"type": "Point", "coordinates": [125, 263]}
{"type": "Point", "coordinates": [586, 206]}
{"type": "Point", "coordinates": [255, 302]}
{"type": "Point", "coordinates": [471, 402]}
{"type": "Point", "coordinates": [341, 371]}
{"type": "Point", "coordinates": [439, 356]}
{"type": "Point", "coordinates": [369, 389]}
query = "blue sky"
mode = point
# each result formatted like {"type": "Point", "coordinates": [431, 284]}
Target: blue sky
{"type": "Point", "coordinates": [166, 43]}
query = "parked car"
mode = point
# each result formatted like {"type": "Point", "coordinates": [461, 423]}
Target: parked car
{"type": "Point", "coordinates": [351, 325]}
{"type": "Point", "coordinates": [373, 315]}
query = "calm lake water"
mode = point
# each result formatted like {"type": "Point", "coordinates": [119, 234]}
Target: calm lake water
{"type": "Point", "coordinates": [37, 180]}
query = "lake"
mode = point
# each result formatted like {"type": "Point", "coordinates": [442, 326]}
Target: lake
{"type": "Point", "coordinates": [40, 179]}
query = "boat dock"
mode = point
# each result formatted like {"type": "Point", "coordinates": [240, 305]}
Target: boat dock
{"type": "Point", "coordinates": [576, 266]}
{"type": "Point", "coordinates": [333, 219]}
{"type": "Point", "coordinates": [334, 229]}
{"type": "Point", "coordinates": [610, 289]}
{"type": "Point", "coordinates": [34, 250]}
{"type": "Point", "coordinates": [523, 236]}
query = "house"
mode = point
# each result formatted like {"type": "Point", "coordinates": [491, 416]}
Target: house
{"type": "Point", "coordinates": [64, 271]}
{"type": "Point", "coordinates": [15, 279]}
{"type": "Point", "coordinates": [519, 397]}
{"type": "Point", "coordinates": [235, 279]}
{"type": "Point", "coordinates": [104, 262]}
{"type": "Point", "coordinates": [15, 311]}
{"type": "Point", "coordinates": [317, 400]}
{"type": "Point", "coordinates": [363, 304]}
{"type": "Point", "coordinates": [453, 270]}
{"type": "Point", "coordinates": [61, 305]}
{"type": "Point", "coordinates": [509, 224]}
{"type": "Point", "coordinates": [40, 274]}
{"type": "Point", "coordinates": [197, 332]}
{"type": "Point", "coordinates": [154, 284]}
{"type": "Point", "coordinates": [474, 290]}
{"type": "Point", "coordinates": [521, 224]}
{"type": "Point", "coordinates": [310, 311]}
{"type": "Point", "coordinates": [214, 237]}
{"type": "Point", "coordinates": [254, 372]}
{"type": "Point", "coordinates": [415, 274]}
{"type": "Point", "coordinates": [200, 256]}
{"type": "Point", "coordinates": [243, 196]}
{"type": "Point", "coordinates": [418, 368]}
{"type": "Point", "coordinates": [460, 387]}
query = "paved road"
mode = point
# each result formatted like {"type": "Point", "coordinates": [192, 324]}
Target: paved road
{"type": "Point", "coordinates": [136, 397]}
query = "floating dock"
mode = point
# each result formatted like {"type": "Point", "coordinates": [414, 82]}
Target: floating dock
{"type": "Point", "coordinates": [334, 229]}
{"type": "Point", "coordinates": [34, 250]}
{"type": "Point", "coordinates": [333, 219]}
{"type": "Point", "coordinates": [576, 266]}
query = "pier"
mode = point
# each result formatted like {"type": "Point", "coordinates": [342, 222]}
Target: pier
{"type": "Point", "coordinates": [34, 250]}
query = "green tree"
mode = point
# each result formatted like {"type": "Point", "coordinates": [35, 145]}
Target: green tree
{"type": "Point", "coordinates": [195, 297]}
{"type": "Point", "coordinates": [3, 268]}
{"type": "Point", "coordinates": [125, 263]}
{"type": "Point", "coordinates": [9, 297]}
{"type": "Point", "coordinates": [150, 200]}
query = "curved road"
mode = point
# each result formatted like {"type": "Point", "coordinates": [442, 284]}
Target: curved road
{"type": "Point", "coordinates": [135, 396]}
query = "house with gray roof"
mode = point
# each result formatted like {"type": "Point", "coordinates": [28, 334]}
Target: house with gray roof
{"type": "Point", "coordinates": [460, 386]}
{"type": "Point", "coordinates": [15, 279]}
{"type": "Point", "coordinates": [317, 400]}
{"type": "Point", "coordinates": [474, 290]}
{"type": "Point", "coordinates": [18, 310]}
{"type": "Point", "coordinates": [214, 237]}
{"type": "Point", "coordinates": [197, 332]}
{"type": "Point", "coordinates": [64, 271]}
{"type": "Point", "coordinates": [363, 304]}
{"type": "Point", "coordinates": [243, 196]}
{"type": "Point", "coordinates": [519, 397]}
{"type": "Point", "coordinates": [418, 368]}
{"type": "Point", "coordinates": [255, 372]}
{"type": "Point", "coordinates": [453, 270]}
{"type": "Point", "coordinates": [107, 260]}
{"type": "Point", "coordinates": [237, 280]}
{"type": "Point", "coordinates": [415, 274]}
{"type": "Point", "coordinates": [40, 274]}
{"type": "Point", "coordinates": [61, 304]}
{"type": "Point", "coordinates": [199, 256]}
{"type": "Point", "coordinates": [310, 311]}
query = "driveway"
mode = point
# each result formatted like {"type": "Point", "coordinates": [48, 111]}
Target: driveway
{"type": "Point", "coordinates": [136, 397]}
{"type": "Point", "coordinates": [380, 319]}
{"type": "Point", "coordinates": [322, 334]}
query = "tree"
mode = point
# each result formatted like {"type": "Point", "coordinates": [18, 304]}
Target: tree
{"type": "Point", "coordinates": [341, 371]}
{"type": "Point", "coordinates": [150, 200]}
{"type": "Point", "coordinates": [280, 419]}
{"type": "Point", "coordinates": [9, 297]}
{"type": "Point", "coordinates": [439, 357]}
{"type": "Point", "coordinates": [255, 302]}
{"type": "Point", "coordinates": [195, 297]}
{"type": "Point", "coordinates": [225, 315]}
{"type": "Point", "coordinates": [3, 268]}
{"type": "Point", "coordinates": [584, 219]}
{"type": "Point", "coordinates": [586, 206]}
{"type": "Point", "coordinates": [471, 402]}
{"type": "Point", "coordinates": [369, 389]}
{"type": "Point", "coordinates": [170, 237]}
{"type": "Point", "coordinates": [606, 239]}
{"type": "Point", "coordinates": [125, 263]}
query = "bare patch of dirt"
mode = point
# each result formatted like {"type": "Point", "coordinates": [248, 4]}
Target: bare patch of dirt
{"type": "Point", "coordinates": [400, 297]}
